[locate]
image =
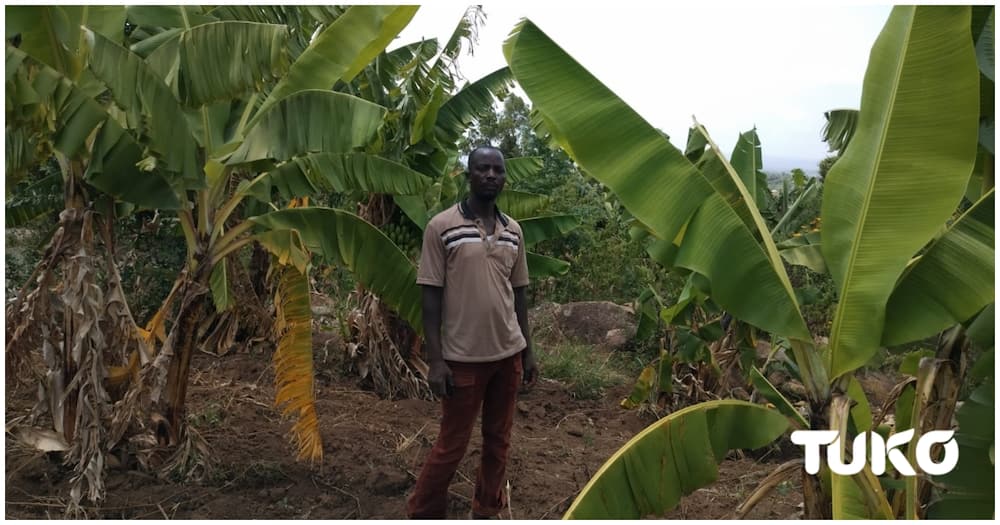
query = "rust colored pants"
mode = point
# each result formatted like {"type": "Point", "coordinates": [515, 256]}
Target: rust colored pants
{"type": "Point", "coordinates": [492, 386]}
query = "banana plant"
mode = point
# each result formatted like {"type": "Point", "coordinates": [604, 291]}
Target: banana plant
{"type": "Point", "coordinates": [892, 193]}
{"type": "Point", "coordinates": [183, 136]}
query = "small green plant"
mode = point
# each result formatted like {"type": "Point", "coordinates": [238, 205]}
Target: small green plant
{"type": "Point", "coordinates": [211, 417]}
{"type": "Point", "coordinates": [585, 371]}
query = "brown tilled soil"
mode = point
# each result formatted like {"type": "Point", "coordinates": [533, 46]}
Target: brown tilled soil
{"type": "Point", "coordinates": [372, 450]}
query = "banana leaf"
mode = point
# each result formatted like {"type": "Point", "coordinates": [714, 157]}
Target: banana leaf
{"type": "Point", "coordinates": [338, 172]}
{"type": "Point", "coordinates": [520, 169]}
{"type": "Point", "coordinates": [540, 266]}
{"type": "Point", "coordinates": [654, 181]}
{"type": "Point", "coordinates": [521, 204]}
{"type": "Point", "coordinates": [342, 50]}
{"type": "Point", "coordinates": [310, 121]}
{"type": "Point", "coordinates": [805, 250]}
{"type": "Point", "coordinates": [538, 229]}
{"type": "Point", "coordinates": [968, 491]}
{"type": "Point", "coordinates": [949, 283]}
{"type": "Point", "coordinates": [345, 239]}
{"type": "Point", "coordinates": [149, 106]}
{"type": "Point", "coordinates": [905, 171]}
{"type": "Point", "coordinates": [674, 457]}
{"type": "Point", "coordinates": [293, 362]}
{"type": "Point", "coordinates": [472, 102]}
{"type": "Point", "coordinates": [221, 60]}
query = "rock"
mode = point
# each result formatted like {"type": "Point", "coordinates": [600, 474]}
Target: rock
{"type": "Point", "coordinates": [538, 412]}
{"type": "Point", "coordinates": [598, 323]}
{"type": "Point", "coordinates": [523, 407]}
{"type": "Point", "coordinates": [793, 388]}
{"type": "Point", "coordinates": [616, 339]}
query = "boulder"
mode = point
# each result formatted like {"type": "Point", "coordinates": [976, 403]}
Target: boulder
{"type": "Point", "coordinates": [599, 323]}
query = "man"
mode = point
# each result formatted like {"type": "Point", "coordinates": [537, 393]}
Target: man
{"type": "Point", "coordinates": [474, 274]}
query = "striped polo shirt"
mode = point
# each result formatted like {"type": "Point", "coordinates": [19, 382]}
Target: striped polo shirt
{"type": "Point", "coordinates": [478, 274]}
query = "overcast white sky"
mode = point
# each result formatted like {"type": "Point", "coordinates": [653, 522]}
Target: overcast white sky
{"type": "Point", "coordinates": [733, 66]}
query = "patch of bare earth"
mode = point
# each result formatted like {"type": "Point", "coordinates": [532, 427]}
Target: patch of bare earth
{"type": "Point", "coordinates": [373, 450]}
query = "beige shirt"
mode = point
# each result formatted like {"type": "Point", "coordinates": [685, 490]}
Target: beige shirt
{"type": "Point", "coordinates": [478, 275]}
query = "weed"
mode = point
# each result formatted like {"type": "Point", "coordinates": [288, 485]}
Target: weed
{"type": "Point", "coordinates": [210, 417]}
{"type": "Point", "coordinates": [586, 372]}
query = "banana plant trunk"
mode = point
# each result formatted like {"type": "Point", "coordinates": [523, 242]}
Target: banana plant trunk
{"type": "Point", "coordinates": [182, 342]}
{"type": "Point", "coordinates": [72, 221]}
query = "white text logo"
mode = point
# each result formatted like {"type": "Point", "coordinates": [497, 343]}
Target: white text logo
{"type": "Point", "coordinates": [880, 451]}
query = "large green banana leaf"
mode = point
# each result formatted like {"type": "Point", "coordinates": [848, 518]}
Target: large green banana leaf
{"type": "Point", "coordinates": [343, 49]}
{"type": "Point", "coordinates": [52, 35]}
{"type": "Point", "coordinates": [471, 103]}
{"type": "Point", "coordinates": [521, 204]}
{"type": "Point", "coordinates": [113, 169]}
{"type": "Point", "coordinates": [673, 457]}
{"type": "Point", "coordinates": [343, 238]}
{"type": "Point", "coordinates": [167, 16]}
{"type": "Point", "coordinates": [540, 266]}
{"type": "Point", "coordinates": [654, 181]}
{"type": "Point", "coordinates": [310, 121]}
{"type": "Point", "coordinates": [713, 167]}
{"type": "Point", "coordinates": [983, 31]}
{"type": "Point", "coordinates": [538, 229]}
{"type": "Point", "coordinates": [149, 106]}
{"type": "Point", "coordinates": [522, 168]}
{"type": "Point", "coordinates": [221, 60]}
{"type": "Point", "coordinates": [114, 155]}
{"type": "Point", "coordinates": [949, 283]}
{"type": "Point", "coordinates": [339, 172]}
{"type": "Point", "coordinates": [968, 492]}
{"type": "Point", "coordinates": [905, 171]}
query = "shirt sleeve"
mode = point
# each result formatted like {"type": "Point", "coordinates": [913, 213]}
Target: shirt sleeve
{"type": "Point", "coordinates": [519, 275]}
{"type": "Point", "coordinates": [431, 269]}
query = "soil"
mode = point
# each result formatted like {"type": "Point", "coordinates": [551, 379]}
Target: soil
{"type": "Point", "coordinates": [372, 450]}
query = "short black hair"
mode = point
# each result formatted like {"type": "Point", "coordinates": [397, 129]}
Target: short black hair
{"type": "Point", "coordinates": [480, 148]}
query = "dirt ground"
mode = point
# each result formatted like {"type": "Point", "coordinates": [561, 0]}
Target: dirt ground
{"type": "Point", "coordinates": [372, 450]}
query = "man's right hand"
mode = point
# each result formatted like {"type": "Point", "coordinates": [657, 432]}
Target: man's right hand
{"type": "Point", "coordinates": [439, 377]}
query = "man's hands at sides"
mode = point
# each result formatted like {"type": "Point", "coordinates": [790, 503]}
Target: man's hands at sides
{"type": "Point", "coordinates": [529, 370]}
{"type": "Point", "coordinates": [440, 379]}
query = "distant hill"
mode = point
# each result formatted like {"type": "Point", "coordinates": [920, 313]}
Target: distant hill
{"type": "Point", "coordinates": [787, 164]}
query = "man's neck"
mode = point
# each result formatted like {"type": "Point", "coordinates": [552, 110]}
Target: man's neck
{"type": "Point", "coordinates": [483, 209]}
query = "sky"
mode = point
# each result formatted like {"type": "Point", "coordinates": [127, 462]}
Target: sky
{"type": "Point", "coordinates": [732, 66]}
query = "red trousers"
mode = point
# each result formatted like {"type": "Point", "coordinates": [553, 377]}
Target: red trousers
{"type": "Point", "coordinates": [492, 386]}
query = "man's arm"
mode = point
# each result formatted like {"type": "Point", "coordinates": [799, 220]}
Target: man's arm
{"type": "Point", "coordinates": [527, 356]}
{"type": "Point", "coordinates": [438, 375]}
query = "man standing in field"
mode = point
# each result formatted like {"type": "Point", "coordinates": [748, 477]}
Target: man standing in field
{"type": "Point", "coordinates": [474, 274]}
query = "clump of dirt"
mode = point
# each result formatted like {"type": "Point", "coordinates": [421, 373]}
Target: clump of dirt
{"type": "Point", "coordinates": [373, 449]}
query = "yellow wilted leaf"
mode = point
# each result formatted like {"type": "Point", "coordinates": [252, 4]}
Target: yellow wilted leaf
{"type": "Point", "coordinates": [293, 362]}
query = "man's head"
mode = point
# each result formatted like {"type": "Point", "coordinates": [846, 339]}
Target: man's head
{"type": "Point", "coordinates": [486, 172]}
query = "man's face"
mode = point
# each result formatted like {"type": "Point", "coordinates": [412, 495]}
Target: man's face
{"type": "Point", "coordinates": [487, 174]}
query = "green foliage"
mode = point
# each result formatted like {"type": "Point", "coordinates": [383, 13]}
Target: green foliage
{"type": "Point", "coordinates": [150, 252]}
{"type": "Point", "coordinates": [586, 372]}
{"type": "Point", "coordinates": [826, 164]}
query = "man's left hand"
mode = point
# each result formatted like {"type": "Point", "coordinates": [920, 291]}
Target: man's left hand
{"type": "Point", "coordinates": [530, 370]}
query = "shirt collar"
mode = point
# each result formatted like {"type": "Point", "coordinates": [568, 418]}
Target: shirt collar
{"type": "Point", "coordinates": [467, 213]}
